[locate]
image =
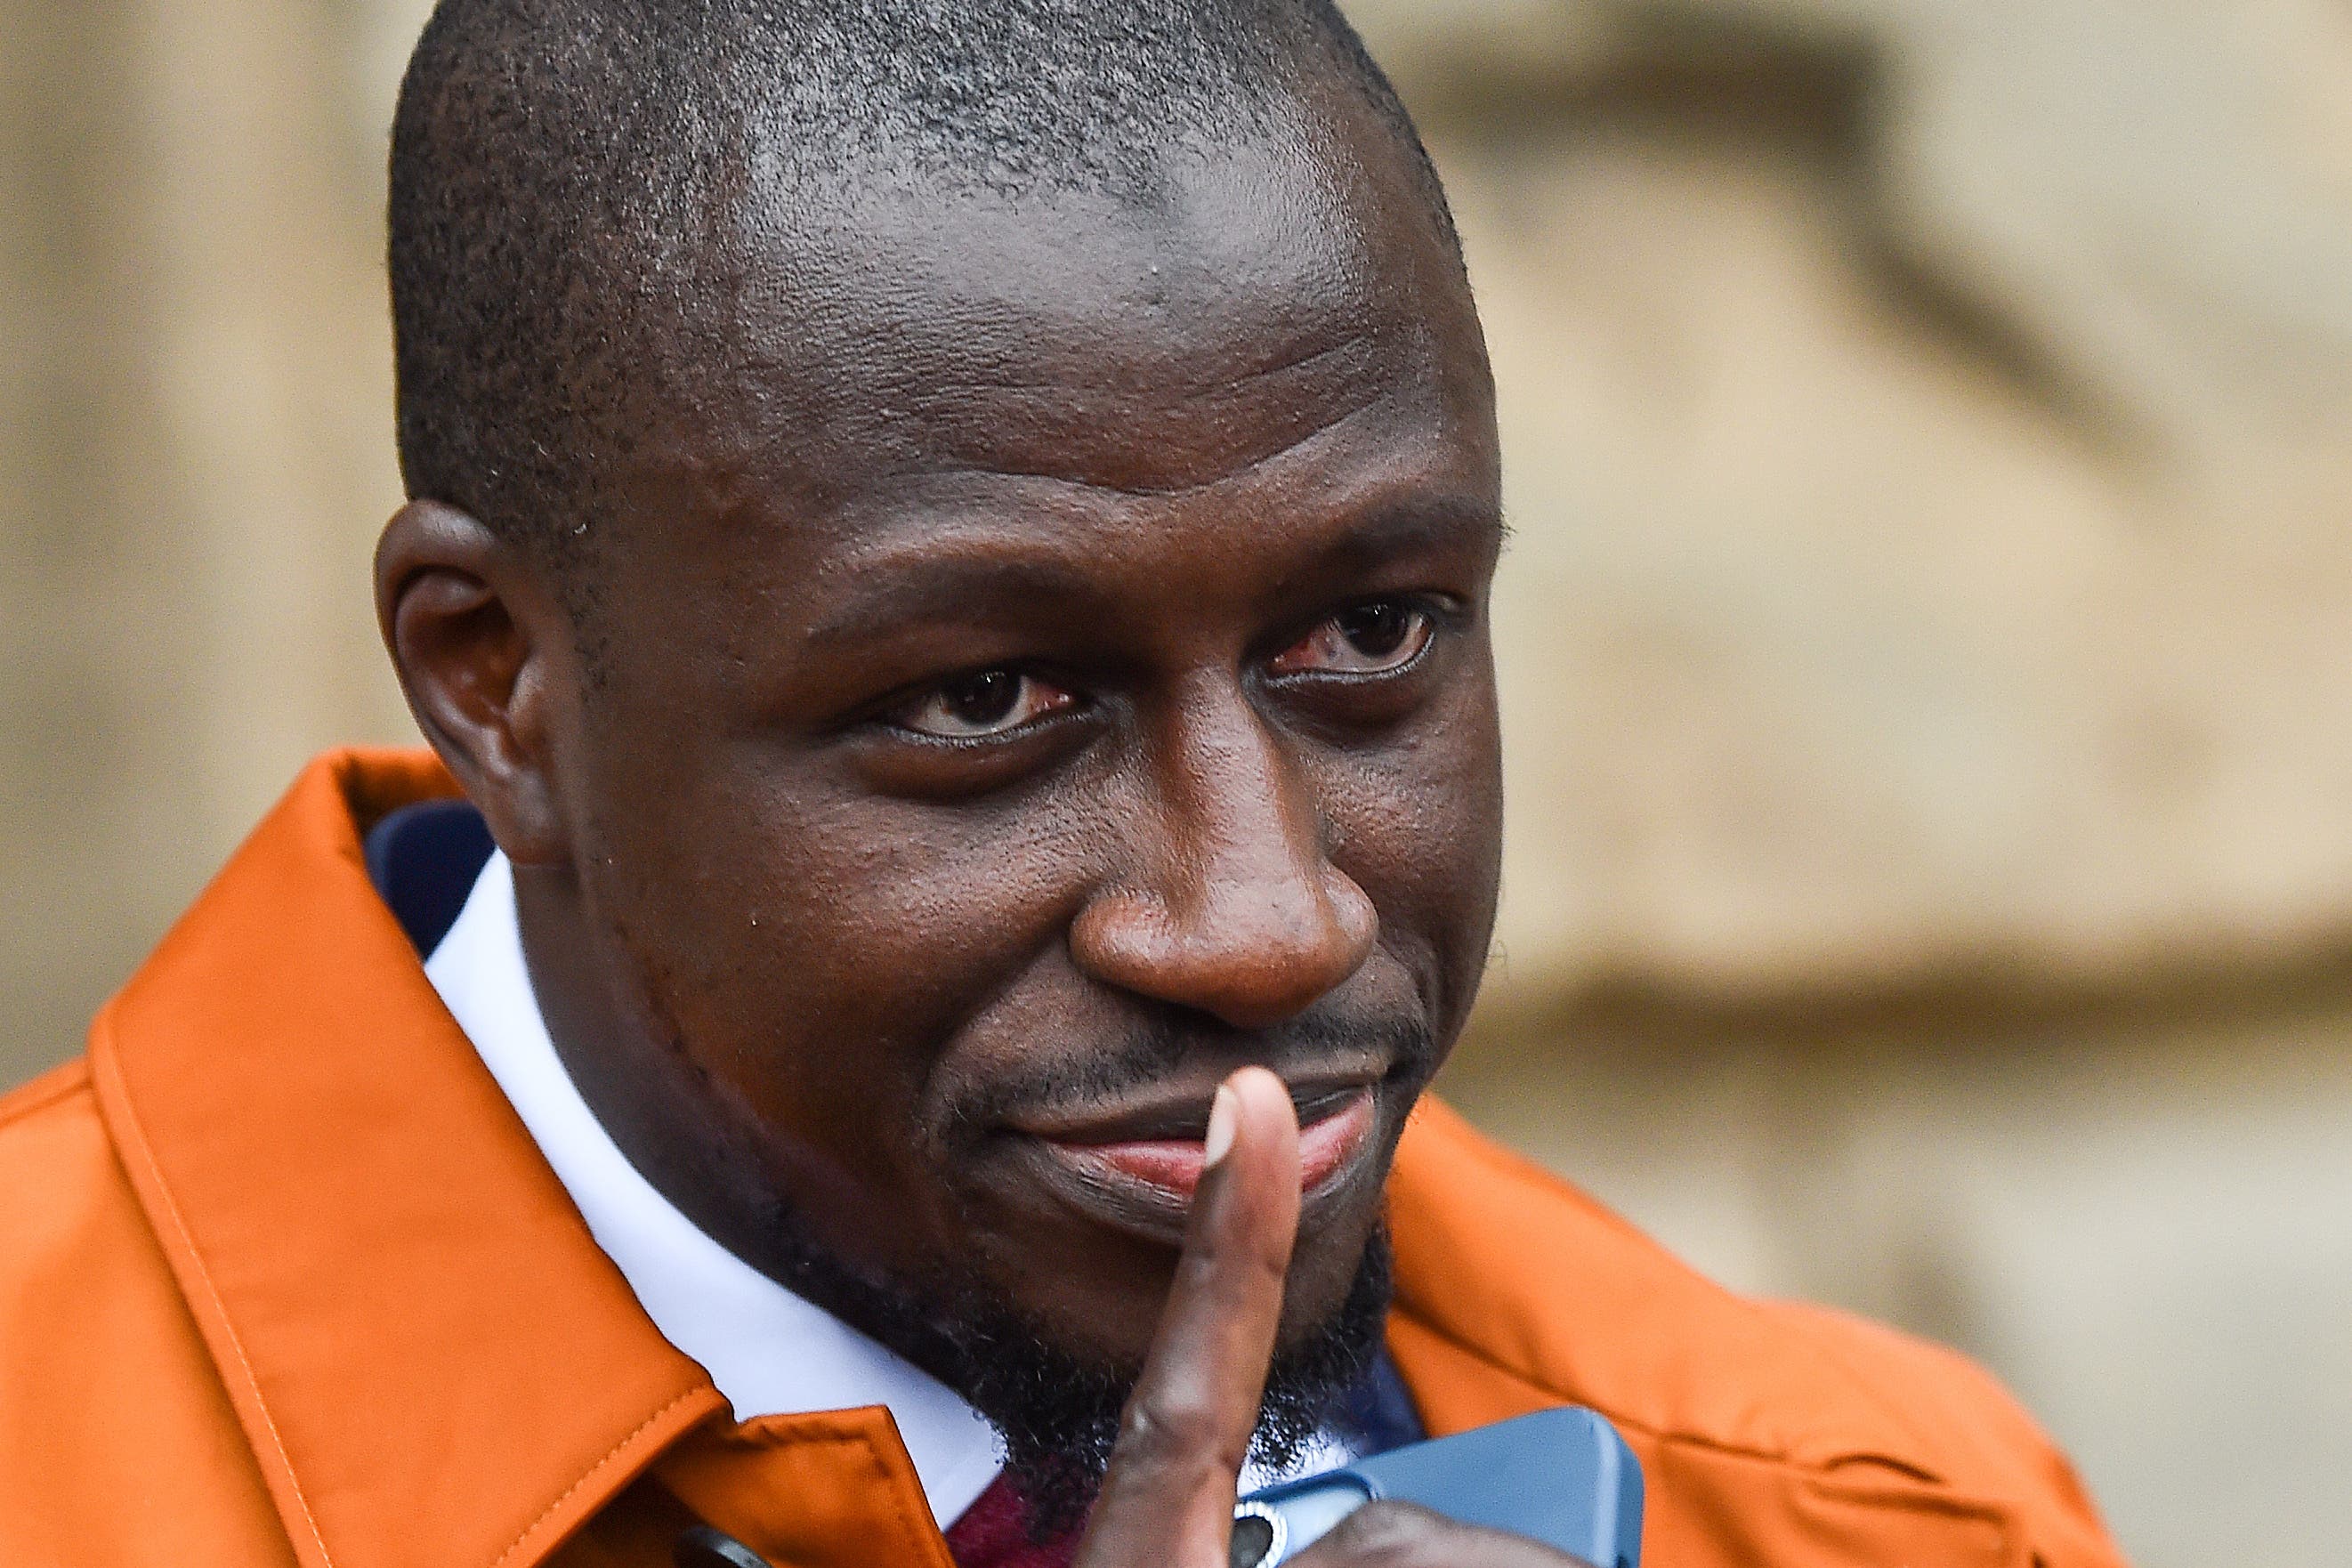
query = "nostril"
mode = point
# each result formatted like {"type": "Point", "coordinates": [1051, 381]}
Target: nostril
{"type": "Point", "coordinates": [703, 1547]}
{"type": "Point", "coordinates": [1248, 953]}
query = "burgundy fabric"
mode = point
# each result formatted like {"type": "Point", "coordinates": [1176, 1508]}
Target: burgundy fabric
{"type": "Point", "coordinates": [995, 1533]}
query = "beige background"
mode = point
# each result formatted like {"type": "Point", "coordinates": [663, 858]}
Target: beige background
{"type": "Point", "coordinates": [1928, 640]}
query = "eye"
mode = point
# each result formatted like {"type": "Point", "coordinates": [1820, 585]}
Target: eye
{"type": "Point", "coordinates": [981, 705]}
{"type": "Point", "coordinates": [1369, 639]}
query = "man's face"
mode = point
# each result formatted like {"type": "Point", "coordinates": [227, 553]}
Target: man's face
{"type": "Point", "coordinates": [1044, 668]}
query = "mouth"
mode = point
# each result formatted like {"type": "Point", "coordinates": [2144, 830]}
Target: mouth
{"type": "Point", "coordinates": [1140, 1168]}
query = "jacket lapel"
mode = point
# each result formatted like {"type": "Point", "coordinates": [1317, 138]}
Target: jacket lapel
{"type": "Point", "coordinates": [432, 1360]}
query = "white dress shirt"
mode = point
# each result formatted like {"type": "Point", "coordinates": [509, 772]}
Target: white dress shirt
{"type": "Point", "coordinates": [770, 1352]}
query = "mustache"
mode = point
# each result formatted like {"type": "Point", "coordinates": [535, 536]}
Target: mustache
{"type": "Point", "coordinates": [1403, 1049]}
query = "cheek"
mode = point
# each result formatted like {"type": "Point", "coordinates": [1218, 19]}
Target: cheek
{"type": "Point", "coordinates": [1419, 828]}
{"type": "Point", "coordinates": [821, 952]}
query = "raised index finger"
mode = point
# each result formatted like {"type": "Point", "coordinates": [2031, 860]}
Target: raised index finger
{"type": "Point", "coordinates": [1169, 1496]}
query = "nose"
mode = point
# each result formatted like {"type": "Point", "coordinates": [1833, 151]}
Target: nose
{"type": "Point", "coordinates": [1230, 903]}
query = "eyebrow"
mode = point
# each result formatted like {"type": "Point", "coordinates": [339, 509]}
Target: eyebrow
{"type": "Point", "coordinates": [974, 588]}
{"type": "Point", "coordinates": [1385, 531]}
{"type": "Point", "coordinates": [950, 588]}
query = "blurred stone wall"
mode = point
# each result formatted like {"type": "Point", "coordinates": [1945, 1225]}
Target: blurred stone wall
{"type": "Point", "coordinates": [1928, 651]}
{"type": "Point", "coordinates": [1925, 641]}
{"type": "Point", "coordinates": [195, 455]}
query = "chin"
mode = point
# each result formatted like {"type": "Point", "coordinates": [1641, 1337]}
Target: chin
{"type": "Point", "coordinates": [1101, 1298]}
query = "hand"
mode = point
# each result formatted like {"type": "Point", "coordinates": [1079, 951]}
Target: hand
{"type": "Point", "coordinates": [1167, 1499]}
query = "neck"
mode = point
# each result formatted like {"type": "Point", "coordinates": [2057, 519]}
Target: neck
{"type": "Point", "coordinates": [680, 1132]}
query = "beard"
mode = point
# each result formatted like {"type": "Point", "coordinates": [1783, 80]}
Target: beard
{"type": "Point", "coordinates": [1056, 1411]}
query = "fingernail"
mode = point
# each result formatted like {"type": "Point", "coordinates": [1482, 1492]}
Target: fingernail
{"type": "Point", "coordinates": [1222, 1112]}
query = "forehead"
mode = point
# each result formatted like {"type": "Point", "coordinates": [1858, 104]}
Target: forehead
{"type": "Point", "coordinates": [1245, 229]}
{"type": "Point", "coordinates": [1277, 313]}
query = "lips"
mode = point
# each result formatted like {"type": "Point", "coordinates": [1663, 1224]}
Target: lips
{"type": "Point", "coordinates": [1336, 1126]}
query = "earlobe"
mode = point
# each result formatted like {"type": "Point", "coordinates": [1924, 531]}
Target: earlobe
{"type": "Point", "coordinates": [478, 645]}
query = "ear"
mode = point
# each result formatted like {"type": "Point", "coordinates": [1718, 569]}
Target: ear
{"type": "Point", "coordinates": [480, 645]}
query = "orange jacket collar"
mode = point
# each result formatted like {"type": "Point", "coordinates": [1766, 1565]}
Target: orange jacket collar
{"type": "Point", "coordinates": [430, 1356]}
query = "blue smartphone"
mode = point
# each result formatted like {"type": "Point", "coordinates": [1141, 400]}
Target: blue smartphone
{"type": "Point", "coordinates": [1561, 1476]}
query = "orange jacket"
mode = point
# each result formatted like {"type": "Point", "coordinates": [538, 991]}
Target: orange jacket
{"type": "Point", "coordinates": [283, 1280]}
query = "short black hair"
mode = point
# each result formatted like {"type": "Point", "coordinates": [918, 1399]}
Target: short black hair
{"type": "Point", "coordinates": [563, 174]}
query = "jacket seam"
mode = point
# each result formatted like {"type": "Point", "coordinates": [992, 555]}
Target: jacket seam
{"type": "Point", "coordinates": [1648, 1428]}
{"type": "Point", "coordinates": [35, 1095]}
{"type": "Point", "coordinates": [923, 1529]}
{"type": "Point", "coordinates": [1802, 1318]}
{"type": "Point", "coordinates": [218, 1309]}
{"type": "Point", "coordinates": [647, 1424]}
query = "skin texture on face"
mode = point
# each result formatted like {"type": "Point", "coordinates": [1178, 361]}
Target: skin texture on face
{"type": "Point", "coordinates": [1043, 668]}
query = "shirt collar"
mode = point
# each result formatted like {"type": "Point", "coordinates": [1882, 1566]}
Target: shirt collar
{"type": "Point", "coordinates": [770, 1351]}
